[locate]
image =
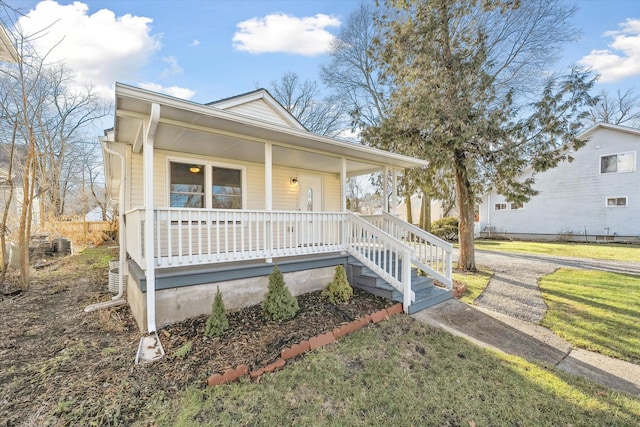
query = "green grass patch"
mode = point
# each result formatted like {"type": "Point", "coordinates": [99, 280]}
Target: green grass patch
{"type": "Point", "coordinates": [403, 373]}
{"type": "Point", "coordinates": [595, 310]}
{"type": "Point", "coordinates": [476, 282]}
{"type": "Point", "coordinates": [612, 252]}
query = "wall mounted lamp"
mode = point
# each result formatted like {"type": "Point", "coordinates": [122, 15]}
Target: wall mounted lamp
{"type": "Point", "coordinates": [294, 181]}
{"type": "Point", "coordinates": [194, 169]}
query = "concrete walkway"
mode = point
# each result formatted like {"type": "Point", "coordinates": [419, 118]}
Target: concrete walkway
{"type": "Point", "coordinates": [507, 314]}
{"type": "Point", "coordinates": [498, 331]}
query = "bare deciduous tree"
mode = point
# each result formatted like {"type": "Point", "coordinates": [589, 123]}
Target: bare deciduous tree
{"type": "Point", "coordinates": [623, 108]}
{"type": "Point", "coordinates": [302, 100]}
{"type": "Point", "coordinates": [46, 118]}
{"type": "Point", "coordinates": [352, 73]}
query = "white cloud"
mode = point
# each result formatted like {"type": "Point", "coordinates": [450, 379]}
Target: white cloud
{"type": "Point", "coordinates": [284, 33]}
{"type": "Point", "coordinates": [99, 48]}
{"type": "Point", "coordinates": [195, 42]}
{"type": "Point", "coordinates": [173, 67]}
{"type": "Point", "coordinates": [622, 59]}
{"type": "Point", "coordinates": [178, 92]}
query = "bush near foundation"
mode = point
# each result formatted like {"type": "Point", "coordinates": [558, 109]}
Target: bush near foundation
{"type": "Point", "coordinates": [278, 303]}
{"type": "Point", "coordinates": [339, 290]}
{"type": "Point", "coordinates": [217, 322]}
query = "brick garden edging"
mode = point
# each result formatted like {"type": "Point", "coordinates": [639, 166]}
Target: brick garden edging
{"type": "Point", "coordinates": [459, 290]}
{"type": "Point", "coordinates": [305, 346]}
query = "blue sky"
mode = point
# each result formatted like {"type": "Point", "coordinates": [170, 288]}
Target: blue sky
{"type": "Point", "coordinates": [207, 50]}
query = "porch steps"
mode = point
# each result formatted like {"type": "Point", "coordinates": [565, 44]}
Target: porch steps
{"type": "Point", "coordinates": [427, 294]}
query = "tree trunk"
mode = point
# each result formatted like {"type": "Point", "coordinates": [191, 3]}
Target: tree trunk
{"type": "Point", "coordinates": [425, 212]}
{"type": "Point", "coordinates": [407, 203]}
{"type": "Point", "coordinates": [466, 204]}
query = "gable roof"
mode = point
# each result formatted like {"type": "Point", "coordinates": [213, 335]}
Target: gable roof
{"type": "Point", "coordinates": [259, 99]}
{"type": "Point", "coordinates": [619, 128]}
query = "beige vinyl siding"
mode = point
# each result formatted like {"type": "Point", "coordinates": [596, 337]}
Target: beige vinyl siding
{"type": "Point", "coordinates": [285, 195]}
{"type": "Point", "coordinates": [260, 110]}
{"type": "Point", "coordinates": [137, 181]}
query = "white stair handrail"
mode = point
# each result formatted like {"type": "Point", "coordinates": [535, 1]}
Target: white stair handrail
{"type": "Point", "coordinates": [435, 262]}
{"type": "Point", "coordinates": [372, 246]}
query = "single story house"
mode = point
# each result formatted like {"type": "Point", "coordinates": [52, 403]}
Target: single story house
{"type": "Point", "coordinates": [217, 194]}
{"type": "Point", "coordinates": [595, 197]}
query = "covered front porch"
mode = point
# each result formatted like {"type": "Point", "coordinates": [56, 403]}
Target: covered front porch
{"type": "Point", "coordinates": [208, 188]}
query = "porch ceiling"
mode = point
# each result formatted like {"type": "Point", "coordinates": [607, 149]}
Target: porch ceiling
{"type": "Point", "coordinates": [188, 127]}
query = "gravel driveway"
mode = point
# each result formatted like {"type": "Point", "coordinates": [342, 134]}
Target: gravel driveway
{"type": "Point", "coordinates": [513, 290]}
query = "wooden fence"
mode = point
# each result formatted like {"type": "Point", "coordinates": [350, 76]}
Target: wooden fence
{"type": "Point", "coordinates": [83, 233]}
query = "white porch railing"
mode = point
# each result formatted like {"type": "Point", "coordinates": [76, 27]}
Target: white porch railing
{"type": "Point", "coordinates": [430, 253]}
{"type": "Point", "coordinates": [385, 244]}
{"type": "Point", "coordinates": [199, 236]}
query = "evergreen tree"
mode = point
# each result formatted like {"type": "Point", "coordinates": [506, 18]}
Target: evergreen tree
{"type": "Point", "coordinates": [278, 303]}
{"type": "Point", "coordinates": [452, 108]}
{"type": "Point", "coordinates": [217, 322]}
{"type": "Point", "coordinates": [338, 290]}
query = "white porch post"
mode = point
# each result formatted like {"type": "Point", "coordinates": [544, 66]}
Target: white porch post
{"type": "Point", "coordinates": [394, 191]}
{"type": "Point", "coordinates": [268, 195]}
{"type": "Point", "coordinates": [149, 248]}
{"type": "Point", "coordinates": [343, 184]}
{"type": "Point", "coordinates": [385, 190]}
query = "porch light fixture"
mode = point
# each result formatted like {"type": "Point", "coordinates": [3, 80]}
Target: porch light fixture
{"type": "Point", "coordinates": [294, 181]}
{"type": "Point", "coordinates": [194, 169]}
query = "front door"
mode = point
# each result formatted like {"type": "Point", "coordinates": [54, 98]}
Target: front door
{"type": "Point", "coordinates": [310, 193]}
{"type": "Point", "coordinates": [309, 200]}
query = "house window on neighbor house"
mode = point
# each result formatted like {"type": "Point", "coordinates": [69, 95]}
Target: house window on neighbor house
{"type": "Point", "coordinates": [187, 185]}
{"type": "Point", "coordinates": [617, 163]}
{"type": "Point", "coordinates": [516, 206]}
{"type": "Point", "coordinates": [616, 202]}
{"type": "Point", "coordinates": [226, 188]}
{"type": "Point", "coordinates": [501, 206]}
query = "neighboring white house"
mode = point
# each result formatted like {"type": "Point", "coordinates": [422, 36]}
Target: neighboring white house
{"type": "Point", "coordinates": [596, 197]}
{"type": "Point", "coordinates": [215, 195]}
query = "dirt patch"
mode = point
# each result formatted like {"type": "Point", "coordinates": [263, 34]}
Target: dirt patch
{"type": "Point", "coordinates": [61, 366]}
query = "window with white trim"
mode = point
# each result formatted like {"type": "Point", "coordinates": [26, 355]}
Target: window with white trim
{"type": "Point", "coordinates": [186, 189]}
{"type": "Point", "coordinates": [194, 185]}
{"type": "Point", "coordinates": [616, 202]}
{"type": "Point", "coordinates": [516, 206]}
{"type": "Point", "coordinates": [618, 163]}
{"type": "Point", "coordinates": [226, 188]}
{"type": "Point", "coordinates": [501, 206]}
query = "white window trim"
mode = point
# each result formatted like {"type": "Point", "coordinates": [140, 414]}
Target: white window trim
{"type": "Point", "coordinates": [521, 208]}
{"type": "Point", "coordinates": [606, 201]}
{"type": "Point", "coordinates": [208, 179]}
{"type": "Point", "coordinates": [617, 154]}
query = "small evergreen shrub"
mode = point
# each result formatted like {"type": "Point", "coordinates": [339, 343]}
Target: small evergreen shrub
{"type": "Point", "coordinates": [217, 322]}
{"type": "Point", "coordinates": [182, 352]}
{"type": "Point", "coordinates": [338, 290]}
{"type": "Point", "coordinates": [445, 228]}
{"type": "Point", "coordinates": [278, 303]}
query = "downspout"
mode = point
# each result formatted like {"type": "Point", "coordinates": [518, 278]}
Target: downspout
{"type": "Point", "coordinates": [150, 347]}
{"type": "Point", "coordinates": [121, 228]}
{"type": "Point", "coordinates": [117, 299]}
{"type": "Point", "coordinates": [149, 250]}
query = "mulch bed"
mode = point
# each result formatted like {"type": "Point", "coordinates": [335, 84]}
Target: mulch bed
{"type": "Point", "coordinates": [62, 366]}
{"type": "Point", "coordinates": [253, 341]}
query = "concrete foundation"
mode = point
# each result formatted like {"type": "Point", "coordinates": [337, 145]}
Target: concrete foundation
{"type": "Point", "coordinates": [180, 303]}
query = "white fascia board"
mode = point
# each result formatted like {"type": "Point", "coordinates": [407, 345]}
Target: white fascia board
{"type": "Point", "coordinates": [330, 145]}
